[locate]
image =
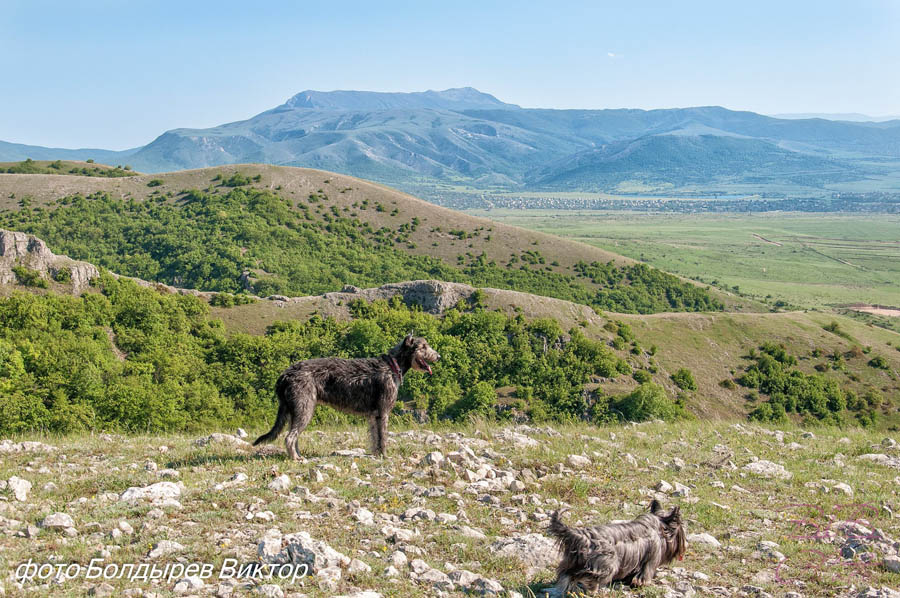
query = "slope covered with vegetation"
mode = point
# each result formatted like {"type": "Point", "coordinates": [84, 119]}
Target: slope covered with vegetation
{"type": "Point", "coordinates": [132, 358]}
{"type": "Point", "coordinates": [236, 237]}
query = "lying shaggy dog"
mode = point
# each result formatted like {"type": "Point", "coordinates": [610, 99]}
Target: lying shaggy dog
{"type": "Point", "coordinates": [365, 386]}
{"type": "Point", "coordinates": [594, 557]}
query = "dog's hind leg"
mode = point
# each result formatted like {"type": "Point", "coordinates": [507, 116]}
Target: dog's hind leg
{"type": "Point", "coordinates": [304, 403]}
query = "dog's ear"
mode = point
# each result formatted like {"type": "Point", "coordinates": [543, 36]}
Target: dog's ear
{"type": "Point", "coordinates": [655, 506]}
{"type": "Point", "coordinates": [408, 341]}
{"type": "Point", "coordinates": [675, 515]}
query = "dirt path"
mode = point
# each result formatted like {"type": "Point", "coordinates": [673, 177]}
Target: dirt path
{"type": "Point", "coordinates": [765, 240]}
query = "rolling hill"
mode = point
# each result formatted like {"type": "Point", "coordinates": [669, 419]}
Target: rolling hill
{"type": "Point", "coordinates": [287, 231]}
{"type": "Point", "coordinates": [466, 136]}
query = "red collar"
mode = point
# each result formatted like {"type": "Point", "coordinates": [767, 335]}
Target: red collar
{"type": "Point", "coordinates": [395, 368]}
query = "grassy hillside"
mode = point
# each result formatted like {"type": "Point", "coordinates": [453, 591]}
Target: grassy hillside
{"type": "Point", "coordinates": [492, 486]}
{"type": "Point", "coordinates": [286, 231]}
{"type": "Point", "coordinates": [89, 168]}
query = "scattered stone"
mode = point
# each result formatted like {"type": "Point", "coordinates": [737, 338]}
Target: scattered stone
{"type": "Point", "coordinates": [235, 480]}
{"type": "Point", "coordinates": [843, 487]}
{"type": "Point", "coordinates": [241, 433]}
{"type": "Point", "coordinates": [362, 594]}
{"type": "Point", "coordinates": [357, 567]}
{"type": "Point", "coordinates": [329, 578]}
{"type": "Point", "coordinates": [58, 521]}
{"type": "Point", "coordinates": [188, 584]}
{"type": "Point", "coordinates": [222, 439]}
{"type": "Point", "coordinates": [19, 487]}
{"type": "Point", "coordinates": [163, 548]}
{"type": "Point", "coordinates": [437, 579]}
{"type": "Point", "coordinates": [157, 491]}
{"type": "Point", "coordinates": [435, 458]}
{"type": "Point", "coordinates": [300, 548]}
{"type": "Point", "coordinates": [663, 486]}
{"type": "Point", "coordinates": [280, 484]}
{"type": "Point", "coordinates": [536, 550]}
{"type": "Point", "coordinates": [681, 490]}
{"type": "Point", "coordinates": [102, 590]}
{"type": "Point", "coordinates": [768, 469]}
{"type": "Point", "coordinates": [270, 590]}
{"type": "Point", "coordinates": [578, 461]}
{"type": "Point", "coordinates": [364, 516]}
{"type": "Point", "coordinates": [704, 539]}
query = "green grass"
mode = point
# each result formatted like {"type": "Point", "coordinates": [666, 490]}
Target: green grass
{"type": "Point", "coordinates": [820, 259]}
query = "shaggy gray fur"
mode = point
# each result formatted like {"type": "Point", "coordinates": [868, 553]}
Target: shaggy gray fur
{"type": "Point", "coordinates": [594, 557]}
{"type": "Point", "coordinates": [365, 386]}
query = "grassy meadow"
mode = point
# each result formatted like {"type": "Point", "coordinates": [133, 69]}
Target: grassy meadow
{"type": "Point", "coordinates": [767, 529]}
{"type": "Point", "coordinates": [807, 260]}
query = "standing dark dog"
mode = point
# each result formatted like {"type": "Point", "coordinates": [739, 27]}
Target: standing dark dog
{"type": "Point", "coordinates": [365, 386]}
{"type": "Point", "coordinates": [594, 557]}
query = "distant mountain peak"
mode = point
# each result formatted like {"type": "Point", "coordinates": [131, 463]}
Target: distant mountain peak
{"type": "Point", "coordinates": [458, 98]}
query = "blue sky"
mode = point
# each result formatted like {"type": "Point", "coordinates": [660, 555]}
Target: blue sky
{"type": "Point", "coordinates": [116, 74]}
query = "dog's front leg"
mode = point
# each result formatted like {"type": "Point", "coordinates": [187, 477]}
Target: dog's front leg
{"type": "Point", "coordinates": [381, 433]}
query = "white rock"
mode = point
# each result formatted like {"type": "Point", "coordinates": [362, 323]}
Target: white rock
{"type": "Point", "coordinates": [280, 484]}
{"type": "Point", "coordinates": [437, 579]}
{"type": "Point", "coordinates": [681, 490]}
{"type": "Point", "coordinates": [663, 486]}
{"type": "Point", "coordinates": [235, 480]}
{"type": "Point", "coordinates": [532, 549]}
{"type": "Point", "coordinates": [270, 590]}
{"type": "Point", "coordinates": [703, 539]}
{"type": "Point", "coordinates": [843, 487]}
{"type": "Point", "coordinates": [163, 548]}
{"type": "Point", "coordinates": [329, 578]}
{"type": "Point", "coordinates": [435, 458]}
{"type": "Point", "coordinates": [364, 516]}
{"type": "Point", "coordinates": [399, 559]}
{"type": "Point", "coordinates": [362, 594]}
{"type": "Point", "coordinates": [222, 439]}
{"type": "Point", "coordinates": [58, 520]}
{"type": "Point", "coordinates": [241, 433]}
{"type": "Point", "coordinates": [188, 584]}
{"type": "Point", "coordinates": [125, 527]}
{"type": "Point", "coordinates": [357, 567]}
{"type": "Point", "coordinates": [157, 491]}
{"type": "Point", "coordinates": [20, 488]}
{"type": "Point", "coordinates": [768, 469]}
{"type": "Point", "coordinates": [578, 461]}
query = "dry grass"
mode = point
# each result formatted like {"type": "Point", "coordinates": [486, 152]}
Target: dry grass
{"type": "Point", "coordinates": [625, 465]}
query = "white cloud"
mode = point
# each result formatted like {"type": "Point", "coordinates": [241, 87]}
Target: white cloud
{"type": "Point", "coordinates": [614, 55]}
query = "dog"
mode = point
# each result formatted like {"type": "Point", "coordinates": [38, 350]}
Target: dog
{"type": "Point", "coordinates": [594, 557]}
{"type": "Point", "coordinates": [366, 386]}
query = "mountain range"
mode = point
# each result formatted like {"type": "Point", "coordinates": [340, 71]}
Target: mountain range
{"type": "Point", "coordinates": [464, 136]}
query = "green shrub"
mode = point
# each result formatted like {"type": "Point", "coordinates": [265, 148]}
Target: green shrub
{"type": "Point", "coordinates": [30, 278]}
{"type": "Point", "coordinates": [684, 379]}
{"type": "Point", "coordinates": [647, 401]}
{"type": "Point", "coordinates": [155, 182]}
{"type": "Point", "coordinates": [63, 275]}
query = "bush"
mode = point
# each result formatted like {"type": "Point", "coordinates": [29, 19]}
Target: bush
{"type": "Point", "coordinates": [30, 278]}
{"type": "Point", "coordinates": [684, 379]}
{"type": "Point", "coordinates": [647, 401]}
{"type": "Point", "coordinates": [63, 275]}
{"type": "Point", "coordinates": [879, 362]}
{"type": "Point", "coordinates": [155, 183]}
{"type": "Point", "coordinates": [642, 376]}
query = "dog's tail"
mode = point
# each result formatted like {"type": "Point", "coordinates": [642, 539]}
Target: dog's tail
{"type": "Point", "coordinates": [281, 419]}
{"type": "Point", "coordinates": [571, 541]}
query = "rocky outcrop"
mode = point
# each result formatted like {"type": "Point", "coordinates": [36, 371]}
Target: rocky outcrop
{"type": "Point", "coordinates": [434, 296]}
{"type": "Point", "coordinates": [21, 249]}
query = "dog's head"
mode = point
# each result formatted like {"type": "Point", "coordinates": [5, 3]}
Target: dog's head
{"type": "Point", "coordinates": [414, 352]}
{"type": "Point", "coordinates": [672, 530]}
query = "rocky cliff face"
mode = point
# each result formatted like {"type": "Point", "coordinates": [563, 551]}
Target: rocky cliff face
{"type": "Point", "coordinates": [434, 296]}
{"type": "Point", "coordinates": [21, 249]}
